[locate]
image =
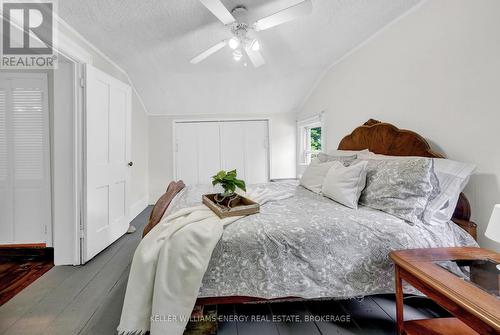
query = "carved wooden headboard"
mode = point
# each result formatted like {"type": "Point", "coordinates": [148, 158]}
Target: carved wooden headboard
{"type": "Point", "coordinates": [387, 139]}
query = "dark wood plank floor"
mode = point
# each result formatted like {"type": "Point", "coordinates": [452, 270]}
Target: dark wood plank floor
{"type": "Point", "coordinates": [19, 267]}
{"type": "Point", "coordinates": [87, 300]}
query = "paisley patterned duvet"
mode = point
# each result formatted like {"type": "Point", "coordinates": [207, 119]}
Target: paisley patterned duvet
{"type": "Point", "coordinates": [309, 246]}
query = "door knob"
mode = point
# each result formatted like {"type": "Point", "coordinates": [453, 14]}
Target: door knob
{"type": "Point", "coordinates": [130, 163]}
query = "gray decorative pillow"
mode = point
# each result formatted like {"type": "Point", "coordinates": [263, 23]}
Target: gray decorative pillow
{"type": "Point", "coordinates": [346, 160]}
{"type": "Point", "coordinates": [402, 188]}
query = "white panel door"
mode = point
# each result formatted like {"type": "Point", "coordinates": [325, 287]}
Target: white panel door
{"type": "Point", "coordinates": [197, 151]}
{"type": "Point", "coordinates": [245, 148]}
{"type": "Point", "coordinates": [108, 112]}
{"type": "Point", "coordinates": [25, 215]}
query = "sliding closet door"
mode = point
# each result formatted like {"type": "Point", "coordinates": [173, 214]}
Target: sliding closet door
{"type": "Point", "coordinates": [233, 147]}
{"type": "Point", "coordinates": [203, 148]}
{"type": "Point", "coordinates": [24, 160]}
{"type": "Point", "coordinates": [256, 152]}
{"type": "Point", "coordinates": [186, 153]}
{"type": "Point", "coordinates": [197, 151]}
{"type": "Point", "coordinates": [108, 113]}
{"type": "Point", "coordinates": [208, 151]}
{"type": "Point", "coordinates": [245, 148]}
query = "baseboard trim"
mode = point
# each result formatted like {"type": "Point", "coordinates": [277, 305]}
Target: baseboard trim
{"type": "Point", "coordinates": [24, 245]}
{"type": "Point", "coordinates": [26, 254]}
{"type": "Point", "coordinates": [137, 208]}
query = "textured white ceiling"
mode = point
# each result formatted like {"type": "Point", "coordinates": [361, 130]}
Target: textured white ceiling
{"type": "Point", "coordinates": [154, 41]}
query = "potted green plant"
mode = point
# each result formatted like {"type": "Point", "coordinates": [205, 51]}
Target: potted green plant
{"type": "Point", "coordinates": [229, 182]}
{"type": "Point", "coordinates": [229, 203]}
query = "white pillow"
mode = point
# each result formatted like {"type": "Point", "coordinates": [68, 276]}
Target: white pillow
{"type": "Point", "coordinates": [453, 176]}
{"type": "Point", "coordinates": [345, 184]}
{"type": "Point", "coordinates": [315, 174]}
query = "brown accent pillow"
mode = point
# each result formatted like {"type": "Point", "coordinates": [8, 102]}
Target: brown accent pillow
{"type": "Point", "coordinates": [162, 204]}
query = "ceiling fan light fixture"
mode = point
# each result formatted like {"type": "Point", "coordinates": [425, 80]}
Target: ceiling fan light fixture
{"type": "Point", "coordinates": [241, 29]}
{"type": "Point", "coordinates": [237, 54]}
{"type": "Point", "coordinates": [255, 45]}
{"type": "Point", "coordinates": [234, 43]}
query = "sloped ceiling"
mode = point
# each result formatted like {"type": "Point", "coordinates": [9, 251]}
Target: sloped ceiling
{"type": "Point", "coordinates": [154, 41]}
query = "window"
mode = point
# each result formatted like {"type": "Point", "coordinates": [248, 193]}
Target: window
{"type": "Point", "coordinates": [315, 138]}
{"type": "Point", "coordinates": [311, 139]}
{"type": "Point", "coordinates": [312, 142]}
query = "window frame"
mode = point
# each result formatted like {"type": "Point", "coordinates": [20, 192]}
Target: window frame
{"type": "Point", "coordinates": [305, 154]}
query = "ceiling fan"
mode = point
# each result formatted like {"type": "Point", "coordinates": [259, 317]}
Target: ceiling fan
{"type": "Point", "coordinates": [243, 33]}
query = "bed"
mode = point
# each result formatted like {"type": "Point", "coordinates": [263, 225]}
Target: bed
{"type": "Point", "coordinates": [310, 247]}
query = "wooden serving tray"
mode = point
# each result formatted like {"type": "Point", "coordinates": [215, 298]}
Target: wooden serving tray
{"type": "Point", "coordinates": [241, 207]}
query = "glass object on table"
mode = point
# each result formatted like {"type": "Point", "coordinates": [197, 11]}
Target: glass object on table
{"type": "Point", "coordinates": [482, 273]}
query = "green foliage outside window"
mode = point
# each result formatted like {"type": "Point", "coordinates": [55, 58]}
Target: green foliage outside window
{"type": "Point", "coordinates": [316, 139]}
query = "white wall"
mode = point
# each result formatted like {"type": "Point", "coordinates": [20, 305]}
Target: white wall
{"type": "Point", "coordinates": [140, 148]}
{"type": "Point", "coordinates": [64, 185]}
{"type": "Point", "coordinates": [435, 71]}
{"type": "Point", "coordinates": [282, 130]}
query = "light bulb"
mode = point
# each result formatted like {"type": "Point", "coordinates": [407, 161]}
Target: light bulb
{"type": "Point", "coordinates": [255, 45]}
{"type": "Point", "coordinates": [234, 43]}
{"type": "Point", "coordinates": [237, 55]}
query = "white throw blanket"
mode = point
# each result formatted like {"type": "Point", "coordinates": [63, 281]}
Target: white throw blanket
{"type": "Point", "coordinates": [168, 268]}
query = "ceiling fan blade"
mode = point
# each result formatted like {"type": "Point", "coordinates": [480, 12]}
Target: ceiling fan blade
{"type": "Point", "coordinates": [208, 52]}
{"type": "Point", "coordinates": [285, 15]}
{"type": "Point", "coordinates": [255, 57]}
{"type": "Point", "coordinates": [218, 9]}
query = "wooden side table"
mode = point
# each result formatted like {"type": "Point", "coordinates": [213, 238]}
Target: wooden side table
{"type": "Point", "coordinates": [475, 305]}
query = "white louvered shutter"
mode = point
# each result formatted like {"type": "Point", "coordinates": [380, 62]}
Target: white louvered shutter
{"type": "Point", "coordinates": [24, 160]}
{"type": "Point", "coordinates": [3, 134]}
{"type": "Point", "coordinates": [6, 199]}
{"type": "Point", "coordinates": [27, 121]}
